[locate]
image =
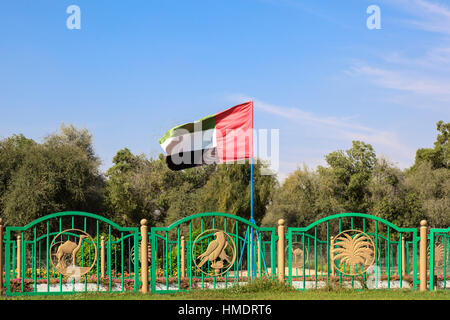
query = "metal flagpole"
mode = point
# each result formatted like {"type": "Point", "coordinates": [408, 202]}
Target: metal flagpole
{"type": "Point", "coordinates": [252, 220]}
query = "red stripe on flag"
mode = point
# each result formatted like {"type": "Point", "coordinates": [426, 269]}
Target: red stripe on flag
{"type": "Point", "coordinates": [234, 133]}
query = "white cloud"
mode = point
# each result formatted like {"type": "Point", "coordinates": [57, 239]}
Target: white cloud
{"type": "Point", "coordinates": [435, 58]}
{"type": "Point", "coordinates": [436, 87]}
{"type": "Point", "coordinates": [418, 78]}
{"type": "Point", "coordinates": [430, 16]}
{"type": "Point", "coordinates": [334, 128]}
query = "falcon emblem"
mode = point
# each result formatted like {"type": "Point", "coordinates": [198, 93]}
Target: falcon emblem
{"type": "Point", "coordinates": [220, 252]}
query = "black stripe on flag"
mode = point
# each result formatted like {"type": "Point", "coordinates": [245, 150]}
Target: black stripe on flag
{"type": "Point", "coordinates": [191, 159]}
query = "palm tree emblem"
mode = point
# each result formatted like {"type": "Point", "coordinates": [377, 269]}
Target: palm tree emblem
{"type": "Point", "coordinates": [354, 252]}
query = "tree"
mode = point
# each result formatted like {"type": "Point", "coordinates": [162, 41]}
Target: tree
{"type": "Point", "coordinates": [442, 144]}
{"type": "Point", "coordinates": [70, 135]}
{"type": "Point", "coordinates": [432, 187]}
{"type": "Point", "coordinates": [296, 200]}
{"type": "Point", "coordinates": [185, 196]}
{"type": "Point", "coordinates": [429, 178]}
{"type": "Point", "coordinates": [228, 190]}
{"type": "Point", "coordinates": [137, 187]}
{"type": "Point", "coordinates": [12, 151]}
{"type": "Point", "coordinates": [121, 200]}
{"type": "Point", "coordinates": [439, 156]}
{"type": "Point", "coordinates": [48, 178]}
{"type": "Point", "coordinates": [347, 177]}
{"type": "Point", "coordinates": [391, 199]}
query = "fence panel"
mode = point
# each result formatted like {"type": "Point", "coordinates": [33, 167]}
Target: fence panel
{"type": "Point", "coordinates": [210, 250]}
{"type": "Point", "coordinates": [438, 258]}
{"type": "Point", "coordinates": [352, 250]}
{"type": "Point", "coordinates": [70, 252]}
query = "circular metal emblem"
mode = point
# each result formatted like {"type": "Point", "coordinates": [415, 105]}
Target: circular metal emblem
{"type": "Point", "coordinates": [354, 252]}
{"type": "Point", "coordinates": [64, 253]}
{"type": "Point", "coordinates": [220, 253]}
{"type": "Point", "coordinates": [297, 254]}
{"type": "Point", "coordinates": [439, 254]}
{"type": "Point", "coordinates": [149, 253]}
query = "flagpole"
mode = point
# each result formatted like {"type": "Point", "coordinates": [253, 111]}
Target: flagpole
{"type": "Point", "coordinates": [251, 189]}
{"type": "Point", "coordinates": [251, 174]}
{"type": "Point", "coordinates": [252, 220]}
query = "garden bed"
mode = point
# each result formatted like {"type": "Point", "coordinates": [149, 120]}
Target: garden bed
{"type": "Point", "coordinates": [29, 285]}
{"type": "Point", "coordinates": [394, 284]}
{"type": "Point", "coordinates": [206, 285]}
{"type": "Point", "coordinates": [77, 287]}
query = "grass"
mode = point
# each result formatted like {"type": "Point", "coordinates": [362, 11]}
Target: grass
{"type": "Point", "coordinates": [258, 290]}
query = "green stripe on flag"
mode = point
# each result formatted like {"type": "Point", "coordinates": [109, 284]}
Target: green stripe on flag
{"type": "Point", "coordinates": [207, 123]}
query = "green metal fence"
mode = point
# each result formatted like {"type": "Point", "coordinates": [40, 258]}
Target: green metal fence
{"type": "Point", "coordinates": [174, 269]}
{"type": "Point", "coordinates": [353, 250]}
{"type": "Point", "coordinates": [39, 256]}
{"type": "Point", "coordinates": [217, 250]}
{"type": "Point", "coordinates": [438, 257]}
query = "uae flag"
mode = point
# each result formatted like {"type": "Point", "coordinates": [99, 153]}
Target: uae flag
{"type": "Point", "coordinates": [220, 138]}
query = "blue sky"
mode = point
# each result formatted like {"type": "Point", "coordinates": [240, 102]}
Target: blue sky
{"type": "Point", "coordinates": [315, 71]}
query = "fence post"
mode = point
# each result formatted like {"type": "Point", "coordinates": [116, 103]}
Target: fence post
{"type": "Point", "coordinates": [183, 261]}
{"type": "Point", "coordinates": [281, 250]}
{"type": "Point", "coordinates": [19, 269]}
{"type": "Point", "coordinates": [144, 255]}
{"type": "Point", "coordinates": [1, 257]}
{"type": "Point", "coordinates": [403, 256]}
{"type": "Point", "coordinates": [258, 260]}
{"type": "Point", "coordinates": [423, 255]}
{"type": "Point", "coordinates": [102, 256]}
{"type": "Point", "coordinates": [333, 273]}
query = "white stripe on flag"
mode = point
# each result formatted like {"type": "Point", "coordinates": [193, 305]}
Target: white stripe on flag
{"type": "Point", "coordinates": [187, 143]}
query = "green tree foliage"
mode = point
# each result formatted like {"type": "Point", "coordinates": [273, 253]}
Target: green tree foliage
{"type": "Point", "coordinates": [342, 186]}
{"type": "Point", "coordinates": [69, 135]}
{"type": "Point", "coordinates": [48, 177]}
{"type": "Point", "coordinates": [12, 152]}
{"type": "Point", "coordinates": [432, 187]}
{"type": "Point", "coordinates": [121, 201]}
{"type": "Point", "coordinates": [439, 156]}
{"type": "Point", "coordinates": [356, 181]}
{"type": "Point", "coordinates": [296, 200]}
{"type": "Point", "coordinates": [390, 197]}
{"type": "Point", "coordinates": [429, 178]}
{"type": "Point", "coordinates": [228, 190]}
{"type": "Point", "coordinates": [62, 173]}
{"type": "Point", "coordinates": [348, 175]}
{"type": "Point", "coordinates": [137, 187]}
